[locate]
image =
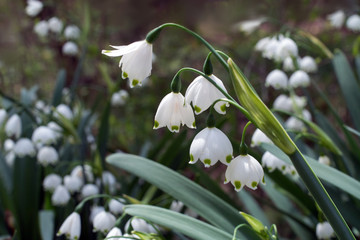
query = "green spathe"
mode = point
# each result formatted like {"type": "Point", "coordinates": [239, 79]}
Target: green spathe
{"type": "Point", "coordinates": [260, 115]}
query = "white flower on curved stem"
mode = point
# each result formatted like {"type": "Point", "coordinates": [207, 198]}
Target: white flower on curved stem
{"type": "Point", "coordinates": [270, 48]}
{"type": "Point", "coordinates": [259, 137]}
{"type": "Point", "coordinates": [353, 23]}
{"type": "Point", "coordinates": [51, 182]}
{"type": "Point", "coordinates": [336, 19]}
{"type": "Point", "coordinates": [41, 28]}
{"type": "Point", "coordinates": [73, 183]}
{"type": "Point", "coordinates": [173, 112]}
{"type": "Point", "coordinates": [261, 44]}
{"type": "Point", "coordinates": [271, 162]}
{"type": "Point", "coordinates": [308, 64]}
{"type": "Point", "coordinates": [115, 206]}
{"type": "Point", "coordinates": [95, 210]}
{"type": "Point", "coordinates": [286, 48]}
{"type": "Point", "coordinates": [115, 232]}
{"type": "Point", "coordinates": [61, 196]}
{"type": "Point", "coordinates": [78, 172]}
{"type": "Point", "coordinates": [70, 49]}
{"type": "Point", "coordinates": [71, 227]}
{"type": "Point", "coordinates": [136, 61]}
{"type": "Point", "coordinates": [47, 155]}
{"type": "Point", "coordinates": [277, 79]}
{"type": "Point", "coordinates": [72, 32]}
{"type": "Point", "coordinates": [211, 145]}
{"type": "Point", "coordinates": [13, 126]}
{"type": "Point", "coordinates": [203, 94]}
{"type": "Point", "coordinates": [89, 190]}
{"type": "Point", "coordinates": [244, 170]}
{"type": "Point", "coordinates": [139, 225]}
{"type": "Point", "coordinates": [33, 7]}
{"type": "Point", "coordinates": [55, 25]}
{"type": "Point", "coordinates": [104, 221]}
{"type": "Point", "coordinates": [43, 135]}
{"type": "Point", "coordinates": [324, 230]}
{"type": "Point", "coordinates": [24, 147]}
{"type": "Point", "coordinates": [299, 79]}
{"type": "Point", "coordinates": [288, 64]}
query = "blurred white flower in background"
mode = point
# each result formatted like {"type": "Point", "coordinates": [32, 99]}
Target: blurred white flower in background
{"type": "Point", "coordinates": [115, 206]}
{"type": "Point", "coordinates": [308, 64]}
{"type": "Point", "coordinates": [324, 230]}
{"type": "Point", "coordinates": [78, 172]}
{"type": "Point", "coordinates": [55, 25]}
{"type": "Point", "coordinates": [288, 64]}
{"type": "Point", "coordinates": [277, 79]}
{"type": "Point", "coordinates": [119, 98]}
{"type": "Point", "coordinates": [41, 28]}
{"type": "Point", "coordinates": [323, 159]}
{"type": "Point", "coordinates": [250, 26]}
{"type": "Point", "coordinates": [286, 48]}
{"type": "Point", "coordinates": [43, 135]}
{"type": "Point", "coordinates": [47, 155]}
{"type": "Point", "coordinates": [353, 23]}
{"type": "Point", "coordinates": [61, 196]}
{"type": "Point", "coordinates": [336, 19]}
{"type": "Point", "coordinates": [24, 147]}
{"type": "Point", "coordinates": [103, 222]}
{"type": "Point", "coordinates": [13, 126]}
{"type": "Point", "coordinates": [95, 210]}
{"type": "Point", "coordinates": [73, 183]}
{"type": "Point", "coordinates": [72, 32]}
{"type": "Point", "coordinates": [33, 8]}
{"type": "Point", "coordinates": [114, 232]}
{"type": "Point", "coordinates": [9, 145]}
{"type": "Point", "coordinates": [51, 182]}
{"type": "Point", "coordinates": [299, 79]}
{"type": "Point", "coordinates": [89, 190]}
{"type": "Point", "coordinates": [259, 137]}
{"type": "Point", "coordinates": [65, 111]}
{"type": "Point", "coordinates": [70, 49]}
{"type": "Point", "coordinates": [139, 225]}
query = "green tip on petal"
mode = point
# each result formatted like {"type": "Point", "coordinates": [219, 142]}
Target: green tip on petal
{"type": "Point", "coordinates": [125, 75]}
{"type": "Point", "coordinates": [156, 124]}
{"type": "Point", "coordinates": [194, 125]}
{"type": "Point", "coordinates": [263, 180]}
{"type": "Point", "coordinates": [223, 108]}
{"type": "Point", "coordinates": [191, 158]}
{"type": "Point", "coordinates": [283, 168]}
{"type": "Point", "coordinates": [228, 158]}
{"type": "Point", "coordinates": [106, 51]}
{"type": "Point", "coordinates": [134, 82]}
{"type": "Point", "coordinates": [175, 128]}
{"type": "Point", "coordinates": [197, 109]}
{"type": "Point", "coordinates": [207, 161]}
{"type": "Point", "coordinates": [254, 184]}
{"type": "Point", "coordinates": [237, 185]}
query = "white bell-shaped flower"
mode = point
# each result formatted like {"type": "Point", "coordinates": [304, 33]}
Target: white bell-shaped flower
{"type": "Point", "coordinates": [95, 210]}
{"type": "Point", "coordinates": [71, 227]}
{"type": "Point", "coordinates": [271, 47]}
{"type": "Point", "coordinates": [353, 23]}
{"type": "Point", "coordinates": [176, 206]}
{"type": "Point", "coordinates": [259, 137]}
{"type": "Point", "coordinates": [336, 19]}
{"type": "Point", "coordinates": [103, 222]}
{"type": "Point", "coordinates": [72, 32]}
{"type": "Point", "coordinates": [261, 44]}
{"type": "Point", "coordinates": [9, 145]}
{"type": "Point", "coordinates": [324, 230]}
{"type": "Point", "coordinates": [308, 64]}
{"type": "Point", "coordinates": [299, 79]}
{"type": "Point", "coordinates": [33, 7]}
{"type": "Point", "coordinates": [47, 155]}
{"type": "Point", "coordinates": [113, 233]}
{"type": "Point", "coordinates": [10, 158]}
{"type": "Point", "coordinates": [173, 112]}
{"type": "Point", "coordinates": [55, 25]}
{"type": "Point", "coordinates": [73, 183]}
{"type": "Point", "coordinates": [89, 190]}
{"type": "Point", "coordinates": [3, 115]}
{"type": "Point", "coordinates": [272, 162]}
{"type": "Point", "coordinates": [41, 28]}
{"type": "Point", "coordinates": [286, 48]}
{"type": "Point", "coordinates": [13, 126]}
{"type": "Point", "coordinates": [65, 111]}
{"type": "Point", "coordinates": [288, 64]}
{"type": "Point", "coordinates": [244, 170]}
{"type": "Point", "coordinates": [61, 196]}
{"type": "Point", "coordinates": [277, 79]}
{"type": "Point", "coordinates": [203, 94]}
{"type": "Point", "coordinates": [116, 207]}
{"type": "Point", "coordinates": [209, 146]}
{"type": "Point", "coordinates": [70, 49]}
{"type": "Point", "coordinates": [139, 225]}
{"type": "Point", "coordinates": [51, 182]}
{"type": "Point", "coordinates": [109, 181]}
{"type": "Point", "coordinates": [78, 172]}
{"type": "Point", "coordinates": [136, 61]}
{"type": "Point", "coordinates": [43, 135]}
{"type": "Point", "coordinates": [24, 147]}
{"type": "Point", "coordinates": [283, 102]}
{"type": "Point", "coordinates": [119, 98]}
{"type": "Point", "coordinates": [296, 124]}
{"type": "Point", "coordinates": [323, 159]}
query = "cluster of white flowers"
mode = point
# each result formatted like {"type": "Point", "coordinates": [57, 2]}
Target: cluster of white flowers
{"type": "Point", "coordinates": [277, 48]}
{"type": "Point", "coordinates": [337, 20]}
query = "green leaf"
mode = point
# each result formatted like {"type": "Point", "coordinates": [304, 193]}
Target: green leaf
{"type": "Point", "coordinates": [191, 227]}
{"type": "Point", "coordinates": [60, 84]}
{"type": "Point", "coordinates": [206, 204]}
{"type": "Point", "coordinates": [357, 62]}
{"type": "Point", "coordinates": [47, 224]}
{"type": "Point", "coordinates": [326, 173]}
{"type": "Point", "coordinates": [349, 86]}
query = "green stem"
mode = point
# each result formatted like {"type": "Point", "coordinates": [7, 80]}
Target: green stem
{"type": "Point", "coordinates": [321, 196]}
{"type": "Point", "coordinates": [244, 132]}
{"type": "Point", "coordinates": [197, 36]}
{"type": "Point", "coordinates": [81, 204]}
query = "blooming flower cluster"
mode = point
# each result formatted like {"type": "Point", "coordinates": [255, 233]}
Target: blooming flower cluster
{"type": "Point", "coordinates": [337, 20]}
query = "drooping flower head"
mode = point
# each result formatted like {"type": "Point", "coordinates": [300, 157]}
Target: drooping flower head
{"type": "Point", "coordinates": [33, 7]}
{"type": "Point", "coordinates": [299, 79]}
{"type": "Point", "coordinates": [324, 230]}
{"type": "Point", "coordinates": [209, 146]}
{"type": "Point", "coordinates": [136, 61]}
{"type": "Point", "coordinates": [259, 137]}
{"type": "Point", "coordinates": [308, 64]}
{"type": "Point", "coordinates": [47, 155]}
{"type": "Point", "coordinates": [13, 126]}
{"type": "Point", "coordinates": [353, 23]}
{"type": "Point", "coordinates": [286, 48]}
{"type": "Point", "coordinates": [61, 196]}
{"type": "Point", "coordinates": [104, 221]}
{"type": "Point", "coordinates": [277, 79]}
{"type": "Point", "coordinates": [336, 19]}
{"type": "Point", "coordinates": [71, 227]}
{"type": "Point", "coordinates": [203, 94]}
{"type": "Point", "coordinates": [173, 112]}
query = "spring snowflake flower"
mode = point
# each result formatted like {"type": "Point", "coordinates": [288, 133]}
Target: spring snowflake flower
{"type": "Point", "coordinates": [3, 115]}
{"type": "Point", "coordinates": [51, 182]}
{"type": "Point", "coordinates": [140, 225]}
{"type": "Point", "coordinates": [203, 94]}
{"type": "Point", "coordinates": [41, 28]}
{"type": "Point", "coordinates": [277, 79]}
{"type": "Point", "coordinates": [308, 64]}
{"type": "Point", "coordinates": [109, 181]}
{"type": "Point", "coordinates": [244, 170]}
{"type": "Point", "coordinates": [65, 111]}
{"type": "Point", "coordinates": [55, 25]}
{"type": "Point", "coordinates": [353, 23]}
{"type": "Point", "coordinates": [261, 44]}
{"type": "Point", "coordinates": [286, 103]}
{"type": "Point", "coordinates": [176, 206]}
{"type": "Point", "coordinates": [173, 112]}
{"type": "Point", "coordinates": [116, 207]}
{"type": "Point", "coordinates": [70, 49]}
{"type": "Point", "coordinates": [119, 98]}
{"type": "Point", "coordinates": [73, 183]}
{"type": "Point", "coordinates": [72, 32]}
{"type": "Point", "coordinates": [114, 232]}
{"type": "Point", "coordinates": [33, 7]}
{"type": "Point", "coordinates": [259, 137]}
{"type": "Point", "coordinates": [250, 26]}
{"type": "Point", "coordinates": [47, 155]}
{"type": "Point", "coordinates": [78, 172]}
{"type": "Point", "coordinates": [136, 61]}
{"type": "Point", "coordinates": [24, 147]}
{"type": "Point", "coordinates": [61, 196]}
{"type": "Point", "coordinates": [9, 145]}
{"type": "Point", "coordinates": [13, 126]}
{"type": "Point", "coordinates": [271, 48]}
{"type": "Point", "coordinates": [286, 48]}
{"type": "Point", "coordinates": [324, 230]}
{"type": "Point", "coordinates": [89, 190]}
{"type": "Point", "coordinates": [95, 210]}
{"type": "Point", "coordinates": [103, 222]}
{"type": "Point", "coordinates": [71, 227]}
{"type": "Point", "coordinates": [323, 159]}
{"type": "Point", "coordinates": [211, 145]}
{"type": "Point", "coordinates": [336, 19]}
{"type": "Point", "coordinates": [296, 124]}
{"type": "Point", "coordinates": [288, 64]}
{"type": "Point", "coordinates": [43, 135]}
{"type": "Point", "coordinates": [299, 79]}
{"type": "Point", "coordinates": [272, 162]}
{"type": "Point", "coordinates": [56, 129]}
